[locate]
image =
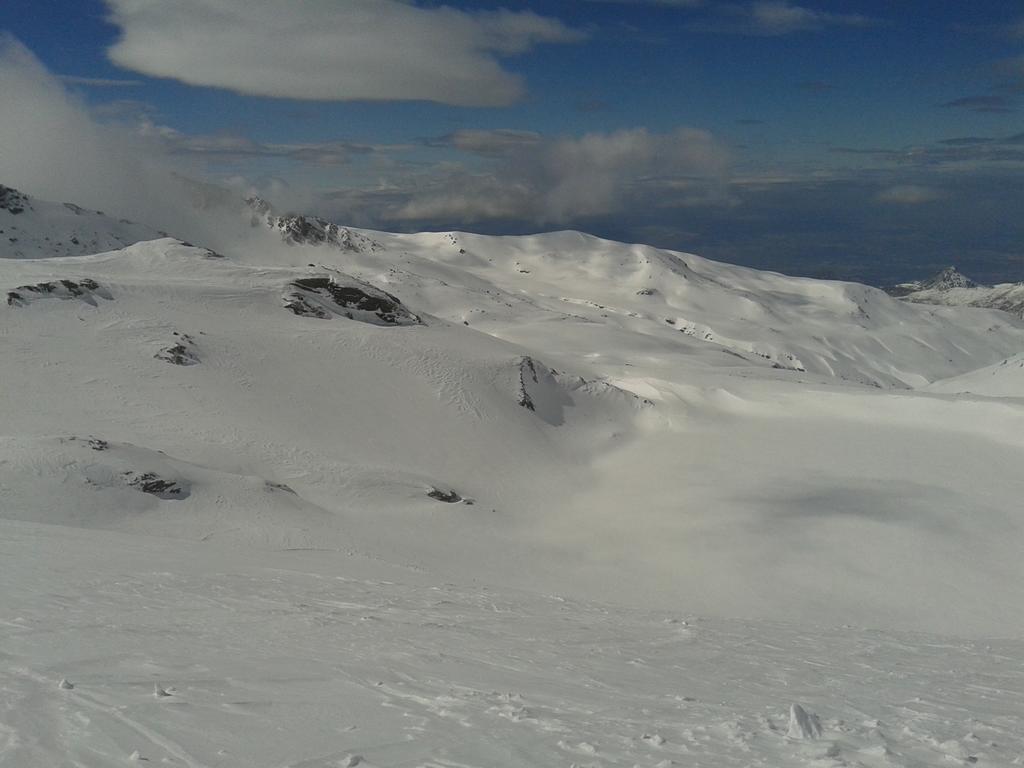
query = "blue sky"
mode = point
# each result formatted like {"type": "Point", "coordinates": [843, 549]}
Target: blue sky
{"type": "Point", "coordinates": [860, 139]}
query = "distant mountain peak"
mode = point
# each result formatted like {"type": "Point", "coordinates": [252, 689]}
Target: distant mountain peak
{"type": "Point", "coordinates": [258, 205]}
{"type": "Point", "coordinates": [948, 279]}
{"type": "Point", "coordinates": [1008, 297]}
{"type": "Point", "coordinates": [299, 229]}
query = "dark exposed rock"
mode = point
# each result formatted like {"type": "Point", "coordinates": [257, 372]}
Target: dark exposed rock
{"type": "Point", "coordinates": [448, 497]}
{"type": "Point", "coordinates": [297, 229]}
{"type": "Point", "coordinates": [322, 295]}
{"type": "Point", "coordinates": [182, 353]}
{"type": "Point", "coordinates": [178, 355]}
{"type": "Point", "coordinates": [153, 484]}
{"type": "Point", "coordinates": [94, 443]}
{"type": "Point", "coordinates": [62, 289]}
{"type": "Point", "coordinates": [299, 306]}
{"type": "Point", "coordinates": [948, 279]}
{"type": "Point", "coordinates": [13, 201]}
{"type": "Point", "coordinates": [527, 372]}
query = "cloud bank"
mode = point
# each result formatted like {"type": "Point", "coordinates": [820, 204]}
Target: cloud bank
{"type": "Point", "coordinates": [332, 51]}
{"type": "Point", "coordinates": [53, 147]}
{"type": "Point", "coordinates": [875, 214]}
{"type": "Point", "coordinates": [775, 18]}
{"type": "Point", "coordinates": [554, 181]}
{"type": "Point", "coordinates": [910, 194]}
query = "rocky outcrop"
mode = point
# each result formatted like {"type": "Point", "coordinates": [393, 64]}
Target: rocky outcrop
{"type": "Point", "coordinates": [183, 352]}
{"type": "Point", "coordinates": [297, 229]}
{"type": "Point", "coordinates": [326, 296]}
{"type": "Point", "coordinates": [13, 201]}
{"type": "Point", "coordinates": [83, 289]}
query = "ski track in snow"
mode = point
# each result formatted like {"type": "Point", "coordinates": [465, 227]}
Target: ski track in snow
{"type": "Point", "coordinates": [310, 660]}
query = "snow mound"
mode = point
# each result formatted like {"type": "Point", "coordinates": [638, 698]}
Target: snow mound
{"type": "Point", "coordinates": [96, 483]}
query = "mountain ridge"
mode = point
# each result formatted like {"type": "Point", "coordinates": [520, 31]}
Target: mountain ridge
{"type": "Point", "coordinates": [950, 287]}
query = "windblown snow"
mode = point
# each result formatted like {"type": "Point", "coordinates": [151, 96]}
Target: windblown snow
{"type": "Point", "coordinates": [452, 500]}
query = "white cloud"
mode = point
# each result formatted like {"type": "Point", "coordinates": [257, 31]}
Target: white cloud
{"type": "Point", "coordinates": [50, 145]}
{"type": "Point", "coordinates": [53, 147]}
{"type": "Point", "coordinates": [489, 143]}
{"type": "Point", "coordinates": [99, 82]}
{"type": "Point", "coordinates": [332, 51]}
{"type": "Point", "coordinates": [667, 3]}
{"type": "Point", "coordinates": [910, 194]}
{"type": "Point", "coordinates": [555, 181]}
{"type": "Point", "coordinates": [234, 148]}
{"type": "Point", "coordinates": [777, 17]}
{"type": "Point", "coordinates": [771, 18]}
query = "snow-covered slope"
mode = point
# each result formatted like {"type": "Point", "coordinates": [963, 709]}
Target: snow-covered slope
{"type": "Point", "coordinates": [952, 288]}
{"type": "Point", "coordinates": [646, 425]}
{"type": "Point", "coordinates": [130, 650]}
{"type": "Point", "coordinates": [549, 291]}
{"type": "Point", "coordinates": [452, 500]}
{"type": "Point", "coordinates": [39, 229]}
{"type": "Point", "coordinates": [1002, 379]}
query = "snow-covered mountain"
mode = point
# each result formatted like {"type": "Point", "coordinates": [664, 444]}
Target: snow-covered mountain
{"type": "Point", "coordinates": [952, 288]}
{"type": "Point", "coordinates": [527, 289]}
{"type": "Point", "coordinates": [39, 229]}
{"type": "Point", "coordinates": [447, 499]}
{"type": "Point", "coordinates": [298, 229]}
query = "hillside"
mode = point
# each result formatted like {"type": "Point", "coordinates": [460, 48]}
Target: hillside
{"type": "Point", "coordinates": [39, 229]}
{"type": "Point", "coordinates": [452, 500]}
{"type": "Point", "coordinates": [557, 380]}
{"type": "Point", "coordinates": [1002, 379]}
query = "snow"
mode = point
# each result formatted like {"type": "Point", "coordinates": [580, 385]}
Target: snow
{"type": "Point", "coordinates": [1002, 379]}
{"type": "Point", "coordinates": [710, 516]}
{"type": "Point", "coordinates": [951, 288]}
{"type": "Point", "coordinates": [321, 658]}
{"type": "Point", "coordinates": [39, 229]}
{"type": "Point", "coordinates": [803, 725]}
